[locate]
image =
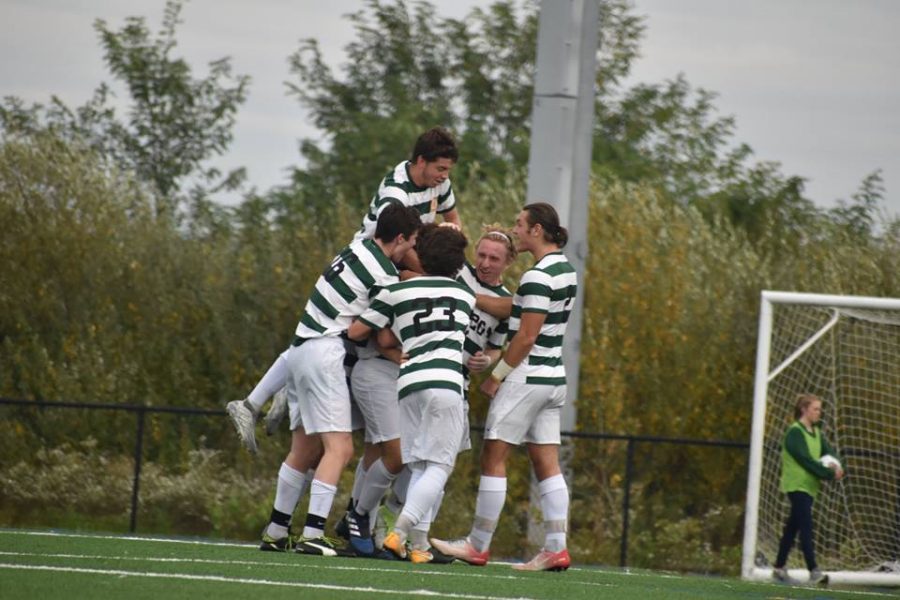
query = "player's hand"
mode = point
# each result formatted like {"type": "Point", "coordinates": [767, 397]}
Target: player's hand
{"type": "Point", "coordinates": [490, 387]}
{"type": "Point", "coordinates": [478, 362]}
{"type": "Point", "coordinates": [838, 473]}
{"type": "Point", "coordinates": [451, 225]}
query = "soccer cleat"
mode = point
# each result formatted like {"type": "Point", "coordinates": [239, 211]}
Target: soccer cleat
{"type": "Point", "coordinates": [547, 561]}
{"type": "Point", "coordinates": [461, 549]}
{"type": "Point", "coordinates": [420, 556]}
{"type": "Point", "coordinates": [282, 544]}
{"type": "Point", "coordinates": [393, 544]}
{"type": "Point", "coordinates": [360, 534]}
{"type": "Point", "coordinates": [342, 527]}
{"type": "Point", "coordinates": [817, 577]}
{"type": "Point", "coordinates": [432, 555]}
{"type": "Point", "coordinates": [244, 419]}
{"type": "Point", "coordinates": [384, 523]}
{"type": "Point", "coordinates": [439, 558]}
{"type": "Point", "coordinates": [276, 411]}
{"type": "Point", "coordinates": [780, 574]}
{"type": "Point", "coordinates": [321, 546]}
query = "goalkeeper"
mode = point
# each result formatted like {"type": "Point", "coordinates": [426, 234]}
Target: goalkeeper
{"type": "Point", "coordinates": [806, 459]}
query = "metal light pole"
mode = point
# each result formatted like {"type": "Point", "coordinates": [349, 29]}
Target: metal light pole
{"type": "Point", "coordinates": [559, 162]}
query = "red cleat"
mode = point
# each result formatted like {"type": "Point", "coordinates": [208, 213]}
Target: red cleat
{"type": "Point", "coordinates": [547, 561]}
{"type": "Point", "coordinates": [463, 550]}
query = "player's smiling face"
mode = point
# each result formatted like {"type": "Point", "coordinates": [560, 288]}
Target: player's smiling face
{"type": "Point", "coordinates": [434, 173]}
{"type": "Point", "coordinates": [490, 260]}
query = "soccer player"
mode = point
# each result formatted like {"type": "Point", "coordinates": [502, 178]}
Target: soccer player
{"type": "Point", "coordinates": [528, 389]}
{"type": "Point", "coordinates": [374, 389]}
{"type": "Point", "coordinates": [801, 472]}
{"type": "Point", "coordinates": [422, 182]}
{"type": "Point", "coordinates": [318, 397]}
{"type": "Point", "coordinates": [428, 315]}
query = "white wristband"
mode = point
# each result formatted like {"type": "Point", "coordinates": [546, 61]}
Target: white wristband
{"type": "Point", "coordinates": [501, 370]}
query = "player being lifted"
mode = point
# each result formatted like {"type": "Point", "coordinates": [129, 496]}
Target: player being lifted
{"type": "Point", "coordinates": [318, 398]}
{"type": "Point", "coordinates": [530, 387]}
{"type": "Point", "coordinates": [428, 315]}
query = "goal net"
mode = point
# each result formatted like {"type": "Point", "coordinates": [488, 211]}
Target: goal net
{"type": "Point", "coordinates": [846, 350]}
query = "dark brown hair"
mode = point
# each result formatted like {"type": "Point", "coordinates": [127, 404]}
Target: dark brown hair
{"type": "Point", "coordinates": [396, 219]}
{"type": "Point", "coordinates": [543, 214]}
{"type": "Point", "coordinates": [441, 250]}
{"type": "Point", "coordinates": [434, 144]}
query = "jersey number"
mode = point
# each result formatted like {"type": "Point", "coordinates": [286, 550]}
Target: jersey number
{"type": "Point", "coordinates": [334, 270]}
{"type": "Point", "coordinates": [425, 306]}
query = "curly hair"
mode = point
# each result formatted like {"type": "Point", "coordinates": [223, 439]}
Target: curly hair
{"type": "Point", "coordinates": [435, 143]}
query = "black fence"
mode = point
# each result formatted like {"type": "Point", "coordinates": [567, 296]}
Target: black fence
{"type": "Point", "coordinates": [631, 441]}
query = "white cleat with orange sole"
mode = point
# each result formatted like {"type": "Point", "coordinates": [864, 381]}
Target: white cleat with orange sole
{"type": "Point", "coordinates": [463, 550]}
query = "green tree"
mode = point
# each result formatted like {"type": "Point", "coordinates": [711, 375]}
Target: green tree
{"type": "Point", "coordinates": [175, 123]}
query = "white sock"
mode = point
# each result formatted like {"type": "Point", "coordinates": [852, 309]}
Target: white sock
{"type": "Point", "coordinates": [378, 480]}
{"type": "Point", "coordinates": [418, 535]}
{"type": "Point", "coordinates": [291, 485]}
{"type": "Point", "coordinates": [274, 379]}
{"type": "Point", "coordinates": [359, 479]}
{"type": "Point", "coordinates": [321, 497]}
{"type": "Point", "coordinates": [424, 488]}
{"type": "Point", "coordinates": [555, 507]}
{"type": "Point", "coordinates": [436, 508]}
{"type": "Point", "coordinates": [488, 506]}
{"type": "Point", "coordinates": [401, 486]}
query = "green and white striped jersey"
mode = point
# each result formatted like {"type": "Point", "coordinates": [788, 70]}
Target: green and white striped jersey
{"type": "Point", "coordinates": [345, 289]}
{"type": "Point", "coordinates": [429, 316]}
{"type": "Point", "coordinates": [397, 186]}
{"type": "Point", "coordinates": [484, 330]}
{"type": "Point", "coordinates": [549, 287]}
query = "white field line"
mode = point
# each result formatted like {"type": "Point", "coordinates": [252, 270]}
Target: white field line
{"type": "Point", "coordinates": [245, 581]}
{"type": "Point", "coordinates": [466, 573]}
{"type": "Point", "coordinates": [610, 572]}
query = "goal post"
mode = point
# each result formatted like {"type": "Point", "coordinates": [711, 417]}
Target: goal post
{"type": "Point", "coordinates": [846, 350]}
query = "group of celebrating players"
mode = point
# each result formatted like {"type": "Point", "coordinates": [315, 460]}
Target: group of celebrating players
{"type": "Point", "coordinates": [402, 311]}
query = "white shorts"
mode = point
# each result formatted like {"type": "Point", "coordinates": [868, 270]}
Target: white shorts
{"type": "Point", "coordinates": [431, 426]}
{"type": "Point", "coordinates": [374, 386]}
{"type": "Point", "coordinates": [523, 412]}
{"type": "Point", "coordinates": [318, 396]}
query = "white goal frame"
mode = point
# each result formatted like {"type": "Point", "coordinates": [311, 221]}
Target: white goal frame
{"type": "Point", "coordinates": [750, 570]}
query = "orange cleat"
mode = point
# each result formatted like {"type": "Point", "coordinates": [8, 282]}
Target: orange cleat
{"type": "Point", "coordinates": [393, 544]}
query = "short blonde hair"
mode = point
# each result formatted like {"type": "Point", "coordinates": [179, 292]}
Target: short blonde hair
{"type": "Point", "coordinates": [497, 233]}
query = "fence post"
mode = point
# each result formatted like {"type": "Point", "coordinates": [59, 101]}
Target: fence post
{"type": "Point", "coordinates": [138, 454]}
{"type": "Point", "coordinates": [626, 500]}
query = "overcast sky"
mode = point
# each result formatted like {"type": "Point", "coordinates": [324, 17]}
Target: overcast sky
{"type": "Point", "coordinates": [813, 84]}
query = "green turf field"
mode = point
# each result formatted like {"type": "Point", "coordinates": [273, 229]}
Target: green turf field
{"type": "Point", "coordinates": [43, 564]}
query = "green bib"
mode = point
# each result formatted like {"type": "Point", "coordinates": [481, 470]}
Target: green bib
{"type": "Point", "coordinates": [794, 478]}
